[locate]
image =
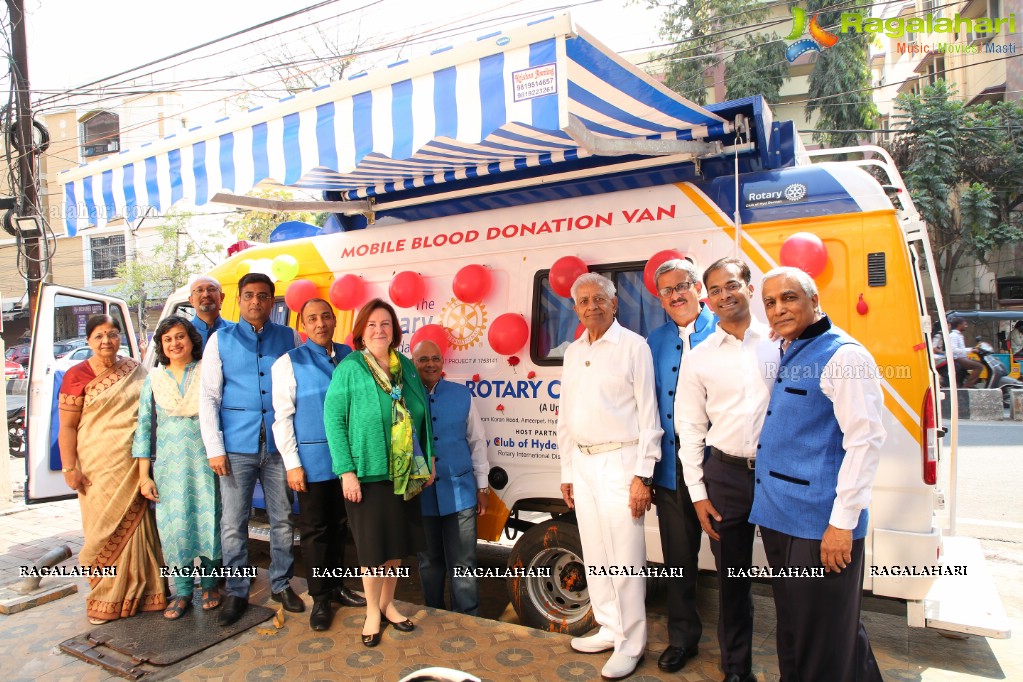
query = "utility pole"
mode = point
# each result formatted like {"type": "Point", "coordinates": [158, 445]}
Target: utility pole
{"type": "Point", "coordinates": [24, 145]}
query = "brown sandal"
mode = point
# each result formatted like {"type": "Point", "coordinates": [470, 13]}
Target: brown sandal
{"type": "Point", "coordinates": [210, 599]}
{"type": "Point", "coordinates": [177, 608]}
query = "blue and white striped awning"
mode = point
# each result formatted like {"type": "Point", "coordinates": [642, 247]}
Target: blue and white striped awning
{"type": "Point", "coordinates": [500, 104]}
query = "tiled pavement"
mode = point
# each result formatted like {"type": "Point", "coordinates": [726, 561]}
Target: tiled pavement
{"type": "Point", "coordinates": [490, 649]}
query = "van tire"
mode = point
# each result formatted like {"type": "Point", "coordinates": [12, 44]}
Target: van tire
{"type": "Point", "coordinates": [560, 603]}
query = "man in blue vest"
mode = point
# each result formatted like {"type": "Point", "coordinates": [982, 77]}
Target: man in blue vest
{"type": "Point", "coordinates": [691, 322]}
{"type": "Point", "coordinates": [206, 297]}
{"type": "Point", "coordinates": [236, 418]}
{"type": "Point", "coordinates": [300, 381]}
{"type": "Point", "coordinates": [459, 492]}
{"type": "Point", "coordinates": [818, 454]}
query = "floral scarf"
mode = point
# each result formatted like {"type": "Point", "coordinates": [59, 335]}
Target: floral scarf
{"type": "Point", "coordinates": [407, 466]}
{"type": "Point", "coordinates": [168, 394]}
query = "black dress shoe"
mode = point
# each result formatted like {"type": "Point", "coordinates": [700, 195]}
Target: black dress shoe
{"type": "Point", "coordinates": [345, 597]}
{"type": "Point", "coordinates": [371, 640]}
{"type": "Point", "coordinates": [289, 599]}
{"type": "Point", "coordinates": [403, 625]}
{"type": "Point", "coordinates": [674, 658]}
{"type": "Point", "coordinates": [733, 677]}
{"type": "Point", "coordinates": [321, 615]}
{"type": "Point", "coordinates": [232, 609]}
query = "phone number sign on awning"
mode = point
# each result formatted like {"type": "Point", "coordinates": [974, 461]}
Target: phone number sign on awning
{"type": "Point", "coordinates": [535, 82]}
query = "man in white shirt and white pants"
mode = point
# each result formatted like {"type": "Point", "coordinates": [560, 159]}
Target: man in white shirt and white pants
{"type": "Point", "coordinates": [722, 396]}
{"type": "Point", "coordinates": [609, 441]}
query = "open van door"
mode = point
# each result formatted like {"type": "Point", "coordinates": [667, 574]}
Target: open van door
{"type": "Point", "coordinates": [61, 316]}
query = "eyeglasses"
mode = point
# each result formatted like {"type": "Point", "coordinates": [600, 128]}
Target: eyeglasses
{"type": "Point", "coordinates": [730, 287]}
{"type": "Point", "coordinates": [206, 290]}
{"type": "Point", "coordinates": [423, 359]}
{"type": "Point", "coordinates": [599, 301]}
{"type": "Point", "coordinates": [680, 288]}
{"type": "Point", "coordinates": [262, 296]}
{"type": "Point", "coordinates": [109, 336]}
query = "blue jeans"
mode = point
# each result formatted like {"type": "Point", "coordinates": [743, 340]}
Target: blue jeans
{"type": "Point", "coordinates": [450, 543]}
{"type": "Point", "coordinates": [236, 498]}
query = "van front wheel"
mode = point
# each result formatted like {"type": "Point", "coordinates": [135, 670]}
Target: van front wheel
{"type": "Point", "coordinates": [551, 594]}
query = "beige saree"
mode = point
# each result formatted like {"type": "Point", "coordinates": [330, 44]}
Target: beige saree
{"type": "Point", "coordinates": [120, 529]}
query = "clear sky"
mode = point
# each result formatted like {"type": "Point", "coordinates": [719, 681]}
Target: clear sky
{"type": "Point", "coordinates": [72, 42]}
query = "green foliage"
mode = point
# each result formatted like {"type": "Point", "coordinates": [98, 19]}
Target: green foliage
{"type": "Point", "coordinates": [708, 33]}
{"type": "Point", "coordinates": [964, 170]}
{"type": "Point", "coordinates": [257, 225]}
{"type": "Point", "coordinates": [839, 88]}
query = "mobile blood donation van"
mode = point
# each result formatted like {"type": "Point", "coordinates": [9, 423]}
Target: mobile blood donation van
{"type": "Point", "coordinates": [460, 183]}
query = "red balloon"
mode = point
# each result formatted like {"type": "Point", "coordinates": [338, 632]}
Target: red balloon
{"type": "Point", "coordinates": [347, 292]}
{"type": "Point", "coordinates": [303, 336]}
{"type": "Point", "coordinates": [430, 332]}
{"type": "Point", "coordinates": [656, 261]}
{"type": "Point", "coordinates": [579, 330]}
{"type": "Point", "coordinates": [300, 291]}
{"type": "Point", "coordinates": [508, 333]}
{"type": "Point", "coordinates": [350, 341]}
{"type": "Point", "coordinates": [407, 289]}
{"type": "Point", "coordinates": [471, 284]}
{"type": "Point", "coordinates": [805, 251]}
{"type": "Point", "coordinates": [565, 271]}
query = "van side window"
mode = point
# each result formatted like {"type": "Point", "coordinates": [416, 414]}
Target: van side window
{"type": "Point", "coordinates": [280, 313]}
{"type": "Point", "coordinates": [555, 322]}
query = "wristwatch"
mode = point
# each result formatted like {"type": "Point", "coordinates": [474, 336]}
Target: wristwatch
{"type": "Point", "coordinates": [646, 480]}
{"type": "Point", "coordinates": [66, 471]}
{"type": "Point", "coordinates": [485, 491]}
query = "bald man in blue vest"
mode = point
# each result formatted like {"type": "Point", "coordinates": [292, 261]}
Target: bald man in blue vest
{"type": "Point", "coordinates": [460, 492]}
{"type": "Point", "coordinates": [819, 450]}
{"type": "Point", "coordinates": [691, 322]}
{"type": "Point", "coordinates": [300, 381]}
{"type": "Point", "coordinates": [207, 296]}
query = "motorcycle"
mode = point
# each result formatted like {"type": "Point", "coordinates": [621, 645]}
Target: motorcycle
{"type": "Point", "coordinates": [16, 425]}
{"type": "Point", "coordinates": [996, 374]}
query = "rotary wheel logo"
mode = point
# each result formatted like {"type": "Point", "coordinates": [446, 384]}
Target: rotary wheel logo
{"type": "Point", "coordinates": [795, 192]}
{"type": "Point", "coordinates": [465, 323]}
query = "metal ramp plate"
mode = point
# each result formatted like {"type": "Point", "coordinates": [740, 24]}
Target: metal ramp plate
{"type": "Point", "coordinates": [131, 647]}
{"type": "Point", "coordinates": [967, 604]}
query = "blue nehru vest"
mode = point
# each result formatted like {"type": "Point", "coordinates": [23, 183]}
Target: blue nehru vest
{"type": "Point", "coordinates": [666, 347]}
{"type": "Point", "coordinates": [247, 401]}
{"type": "Point", "coordinates": [313, 369]}
{"type": "Point", "coordinates": [800, 450]}
{"type": "Point", "coordinates": [455, 487]}
{"type": "Point", "coordinates": [205, 331]}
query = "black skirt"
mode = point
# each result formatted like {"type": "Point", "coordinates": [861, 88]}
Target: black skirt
{"type": "Point", "coordinates": [384, 526]}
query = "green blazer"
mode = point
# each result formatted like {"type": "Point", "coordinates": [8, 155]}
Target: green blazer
{"type": "Point", "coordinates": [357, 418]}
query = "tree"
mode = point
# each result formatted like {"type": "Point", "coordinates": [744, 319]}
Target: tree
{"type": "Point", "coordinates": [964, 170]}
{"type": "Point", "coordinates": [840, 84]}
{"type": "Point", "coordinates": [707, 33]}
{"type": "Point", "coordinates": [257, 225]}
{"type": "Point", "coordinates": [152, 277]}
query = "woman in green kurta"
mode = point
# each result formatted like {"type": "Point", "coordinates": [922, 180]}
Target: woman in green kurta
{"type": "Point", "coordinates": [381, 444]}
{"type": "Point", "coordinates": [185, 489]}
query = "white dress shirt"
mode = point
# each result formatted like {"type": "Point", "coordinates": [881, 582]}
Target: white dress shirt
{"type": "Point", "coordinates": [283, 391]}
{"type": "Point", "coordinates": [608, 395]}
{"type": "Point", "coordinates": [850, 380]}
{"type": "Point", "coordinates": [957, 345]}
{"type": "Point", "coordinates": [724, 388]}
{"type": "Point", "coordinates": [211, 393]}
{"type": "Point", "coordinates": [477, 439]}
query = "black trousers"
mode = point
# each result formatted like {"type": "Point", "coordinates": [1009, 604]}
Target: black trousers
{"type": "Point", "coordinates": [323, 524]}
{"type": "Point", "coordinates": [680, 544]}
{"type": "Point", "coordinates": [730, 490]}
{"type": "Point", "coordinates": [820, 635]}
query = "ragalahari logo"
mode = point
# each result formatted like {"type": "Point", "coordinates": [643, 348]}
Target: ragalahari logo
{"type": "Point", "coordinates": [819, 38]}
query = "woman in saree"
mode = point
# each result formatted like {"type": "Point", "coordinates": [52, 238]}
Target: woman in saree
{"type": "Point", "coordinates": [99, 403]}
{"type": "Point", "coordinates": [185, 489]}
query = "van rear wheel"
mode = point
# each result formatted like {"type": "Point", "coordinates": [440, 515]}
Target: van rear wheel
{"type": "Point", "coordinates": [559, 601]}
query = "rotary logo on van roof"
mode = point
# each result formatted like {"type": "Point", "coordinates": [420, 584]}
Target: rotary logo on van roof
{"type": "Point", "coordinates": [465, 323]}
{"type": "Point", "coordinates": [797, 191]}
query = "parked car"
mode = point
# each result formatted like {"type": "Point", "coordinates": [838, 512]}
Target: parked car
{"type": "Point", "coordinates": [19, 353]}
{"type": "Point", "coordinates": [72, 357]}
{"type": "Point", "coordinates": [13, 370]}
{"type": "Point", "coordinates": [62, 348]}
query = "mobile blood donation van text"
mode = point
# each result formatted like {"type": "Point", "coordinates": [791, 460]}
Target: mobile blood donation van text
{"type": "Point", "coordinates": [459, 180]}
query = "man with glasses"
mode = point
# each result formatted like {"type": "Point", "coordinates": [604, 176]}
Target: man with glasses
{"type": "Point", "coordinates": [722, 398]}
{"type": "Point", "coordinates": [691, 322]}
{"type": "Point", "coordinates": [609, 442]}
{"type": "Point", "coordinates": [236, 417]}
{"type": "Point", "coordinates": [206, 297]}
{"type": "Point", "coordinates": [459, 492]}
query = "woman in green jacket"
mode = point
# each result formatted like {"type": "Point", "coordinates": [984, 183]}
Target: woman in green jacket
{"type": "Point", "coordinates": [381, 443]}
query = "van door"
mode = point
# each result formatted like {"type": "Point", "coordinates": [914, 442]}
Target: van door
{"type": "Point", "coordinates": [61, 316]}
